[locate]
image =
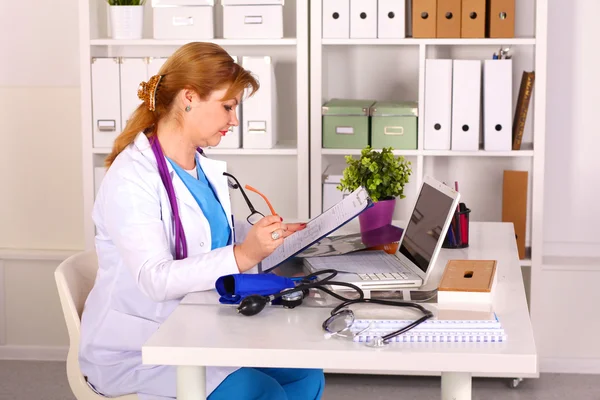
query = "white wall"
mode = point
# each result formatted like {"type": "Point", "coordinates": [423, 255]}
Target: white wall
{"type": "Point", "coordinates": [40, 170]}
{"type": "Point", "coordinates": [566, 307]}
{"type": "Point", "coordinates": [571, 214]}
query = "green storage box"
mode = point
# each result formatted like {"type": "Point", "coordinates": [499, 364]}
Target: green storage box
{"type": "Point", "coordinates": [346, 123]}
{"type": "Point", "coordinates": [394, 124]}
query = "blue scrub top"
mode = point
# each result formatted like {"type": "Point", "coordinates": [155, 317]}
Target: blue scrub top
{"type": "Point", "coordinates": [208, 201]}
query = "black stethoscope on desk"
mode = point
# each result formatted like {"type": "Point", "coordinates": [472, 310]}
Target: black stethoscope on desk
{"type": "Point", "coordinates": [341, 318]}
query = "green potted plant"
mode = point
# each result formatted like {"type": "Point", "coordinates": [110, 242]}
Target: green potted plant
{"type": "Point", "coordinates": [384, 176]}
{"type": "Point", "coordinates": [126, 18]}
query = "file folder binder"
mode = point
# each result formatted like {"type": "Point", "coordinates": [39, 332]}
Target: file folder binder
{"type": "Point", "coordinates": [106, 101]}
{"type": "Point", "coordinates": [501, 21]}
{"type": "Point", "coordinates": [466, 104]}
{"type": "Point", "coordinates": [133, 71]}
{"type": "Point", "coordinates": [336, 19]}
{"type": "Point", "coordinates": [391, 21]}
{"type": "Point", "coordinates": [448, 18]}
{"type": "Point", "coordinates": [154, 66]}
{"type": "Point", "coordinates": [424, 18]}
{"type": "Point", "coordinates": [363, 19]}
{"type": "Point", "coordinates": [259, 111]}
{"type": "Point", "coordinates": [472, 24]}
{"type": "Point", "coordinates": [233, 137]}
{"type": "Point", "coordinates": [497, 105]}
{"type": "Point", "coordinates": [438, 104]}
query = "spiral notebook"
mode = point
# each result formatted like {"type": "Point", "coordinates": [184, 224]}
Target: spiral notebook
{"type": "Point", "coordinates": [319, 227]}
{"type": "Point", "coordinates": [432, 331]}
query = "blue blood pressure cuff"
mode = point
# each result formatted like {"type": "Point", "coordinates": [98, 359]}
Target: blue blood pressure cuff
{"type": "Point", "coordinates": [233, 288]}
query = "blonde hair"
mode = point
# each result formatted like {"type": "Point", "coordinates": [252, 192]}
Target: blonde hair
{"type": "Point", "coordinates": [201, 67]}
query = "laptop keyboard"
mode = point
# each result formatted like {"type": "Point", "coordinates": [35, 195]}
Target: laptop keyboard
{"type": "Point", "coordinates": [401, 272]}
{"type": "Point", "coordinates": [384, 276]}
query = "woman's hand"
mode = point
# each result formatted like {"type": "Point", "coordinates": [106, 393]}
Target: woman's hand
{"type": "Point", "coordinates": [291, 228]}
{"type": "Point", "coordinates": [259, 243]}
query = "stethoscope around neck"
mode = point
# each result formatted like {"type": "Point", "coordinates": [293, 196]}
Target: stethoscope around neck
{"type": "Point", "coordinates": [181, 250]}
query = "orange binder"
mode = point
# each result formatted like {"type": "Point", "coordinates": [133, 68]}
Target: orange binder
{"type": "Point", "coordinates": [472, 23]}
{"type": "Point", "coordinates": [501, 22]}
{"type": "Point", "coordinates": [424, 18]}
{"type": "Point", "coordinates": [514, 205]}
{"type": "Point", "coordinates": [448, 18]}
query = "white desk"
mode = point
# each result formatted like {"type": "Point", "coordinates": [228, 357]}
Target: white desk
{"type": "Point", "coordinates": [293, 338]}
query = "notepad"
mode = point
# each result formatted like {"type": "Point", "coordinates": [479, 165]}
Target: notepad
{"type": "Point", "coordinates": [317, 228]}
{"type": "Point", "coordinates": [433, 330]}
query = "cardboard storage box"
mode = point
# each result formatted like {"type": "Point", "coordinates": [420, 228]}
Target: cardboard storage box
{"type": "Point", "coordinates": [394, 124]}
{"type": "Point", "coordinates": [346, 123]}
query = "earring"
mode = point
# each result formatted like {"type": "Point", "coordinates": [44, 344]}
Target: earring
{"type": "Point", "coordinates": [188, 108]}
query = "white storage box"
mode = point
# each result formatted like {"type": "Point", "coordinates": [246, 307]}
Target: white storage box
{"type": "Point", "coordinates": [183, 19]}
{"type": "Point", "coordinates": [363, 19]}
{"type": "Point", "coordinates": [336, 19]}
{"type": "Point", "coordinates": [252, 19]}
{"type": "Point", "coordinates": [331, 179]}
{"type": "Point", "coordinates": [259, 111]}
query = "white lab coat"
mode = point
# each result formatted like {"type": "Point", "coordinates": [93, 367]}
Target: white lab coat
{"type": "Point", "coordinates": [139, 283]}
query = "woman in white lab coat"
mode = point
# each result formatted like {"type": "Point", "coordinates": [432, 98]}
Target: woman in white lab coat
{"type": "Point", "coordinates": [145, 266]}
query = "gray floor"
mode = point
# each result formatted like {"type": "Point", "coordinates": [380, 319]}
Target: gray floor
{"type": "Point", "coordinates": [27, 380]}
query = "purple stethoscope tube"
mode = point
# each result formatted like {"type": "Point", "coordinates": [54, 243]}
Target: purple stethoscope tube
{"type": "Point", "coordinates": [180, 242]}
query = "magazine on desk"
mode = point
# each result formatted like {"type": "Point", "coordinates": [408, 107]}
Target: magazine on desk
{"type": "Point", "coordinates": [319, 227]}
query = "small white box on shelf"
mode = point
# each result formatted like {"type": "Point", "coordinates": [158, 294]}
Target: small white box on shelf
{"type": "Point", "coordinates": [331, 179]}
{"type": "Point", "coordinates": [260, 110]}
{"type": "Point", "coordinates": [391, 21]}
{"type": "Point", "coordinates": [183, 19]}
{"type": "Point", "coordinates": [363, 19]}
{"type": "Point", "coordinates": [252, 19]}
{"type": "Point", "coordinates": [336, 19]}
{"type": "Point", "coordinates": [106, 101]}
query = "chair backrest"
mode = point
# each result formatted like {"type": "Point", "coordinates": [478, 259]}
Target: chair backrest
{"type": "Point", "coordinates": [74, 280]}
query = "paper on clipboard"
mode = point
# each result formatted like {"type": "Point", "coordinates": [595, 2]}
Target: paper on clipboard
{"type": "Point", "coordinates": [319, 227]}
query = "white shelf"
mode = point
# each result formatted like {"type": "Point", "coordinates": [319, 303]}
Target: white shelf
{"type": "Point", "coordinates": [356, 152]}
{"type": "Point", "coordinates": [220, 42]}
{"type": "Point", "coordinates": [437, 153]}
{"type": "Point", "coordinates": [291, 57]}
{"type": "Point", "coordinates": [478, 153]}
{"type": "Point", "coordinates": [283, 149]}
{"type": "Point", "coordinates": [433, 41]}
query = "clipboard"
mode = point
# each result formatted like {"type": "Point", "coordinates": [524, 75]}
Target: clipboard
{"type": "Point", "coordinates": [319, 227]}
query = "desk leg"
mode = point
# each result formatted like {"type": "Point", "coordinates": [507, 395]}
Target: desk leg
{"type": "Point", "coordinates": [191, 383]}
{"type": "Point", "coordinates": [456, 386]}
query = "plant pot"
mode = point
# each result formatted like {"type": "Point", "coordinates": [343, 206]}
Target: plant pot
{"type": "Point", "coordinates": [377, 216]}
{"type": "Point", "coordinates": [126, 22]}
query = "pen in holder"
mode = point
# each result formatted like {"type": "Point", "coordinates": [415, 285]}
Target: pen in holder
{"type": "Point", "coordinates": [457, 236]}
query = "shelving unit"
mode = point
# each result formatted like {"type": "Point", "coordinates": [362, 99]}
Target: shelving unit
{"type": "Point", "coordinates": [280, 173]}
{"type": "Point", "coordinates": [393, 69]}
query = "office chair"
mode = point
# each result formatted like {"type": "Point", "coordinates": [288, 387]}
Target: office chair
{"type": "Point", "coordinates": [74, 279]}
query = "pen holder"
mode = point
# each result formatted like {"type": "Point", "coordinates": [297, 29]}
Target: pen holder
{"type": "Point", "coordinates": [457, 236]}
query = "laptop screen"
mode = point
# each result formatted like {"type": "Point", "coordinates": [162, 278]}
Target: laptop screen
{"type": "Point", "coordinates": [424, 228]}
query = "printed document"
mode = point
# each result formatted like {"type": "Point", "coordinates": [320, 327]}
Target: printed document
{"type": "Point", "coordinates": [319, 227]}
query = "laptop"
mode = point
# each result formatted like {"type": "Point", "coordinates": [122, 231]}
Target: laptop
{"type": "Point", "coordinates": [417, 252]}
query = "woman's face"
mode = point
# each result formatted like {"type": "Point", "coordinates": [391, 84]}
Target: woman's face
{"type": "Point", "coordinates": [209, 119]}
